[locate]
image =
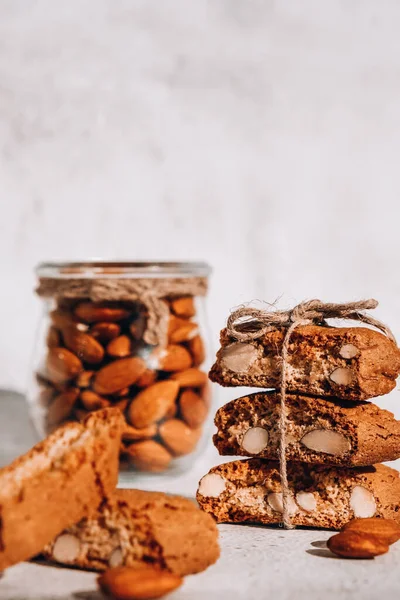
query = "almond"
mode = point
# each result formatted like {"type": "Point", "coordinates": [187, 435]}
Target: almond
{"type": "Point", "coordinates": [184, 307]}
{"type": "Point", "coordinates": [92, 401]}
{"type": "Point", "coordinates": [152, 404]}
{"type": "Point", "coordinates": [137, 328]}
{"type": "Point", "coordinates": [362, 502]}
{"type": "Point", "coordinates": [84, 379]}
{"type": "Point", "coordinates": [255, 440]}
{"type": "Point", "coordinates": [342, 376]}
{"type": "Point", "coordinates": [118, 374]}
{"type": "Point", "coordinates": [190, 378]}
{"type": "Point", "coordinates": [172, 411]}
{"type": "Point", "coordinates": [349, 351]}
{"type": "Point", "coordinates": [193, 409]}
{"type": "Point", "coordinates": [116, 558]}
{"type": "Point", "coordinates": [66, 548]}
{"type": "Point", "coordinates": [149, 456]}
{"type": "Point", "coordinates": [133, 434]}
{"type": "Point", "coordinates": [275, 501]}
{"type": "Point", "coordinates": [62, 406]}
{"type": "Point", "coordinates": [238, 356]}
{"type": "Point", "coordinates": [46, 396]}
{"type": "Point", "coordinates": [175, 323]}
{"type": "Point", "coordinates": [197, 350]}
{"type": "Point", "coordinates": [53, 338]}
{"type": "Point", "coordinates": [62, 365]}
{"type": "Point", "coordinates": [206, 394]}
{"type": "Point", "coordinates": [180, 330]}
{"type": "Point", "coordinates": [326, 441]}
{"type": "Point", "coordinates": [212, 485]}
{"type": "Point", "coordinates": [105, 332]}
{"type": "Point", "coordinates": [83, 345]}
{"type": "Point", "coordinates": [184, 333]}
{"type": "Point", "coordinates": [148, 378]}
{"type": "Point", "coordinates": [61, 319]}
{"type": "Point", "coordinates": [385, 529]}
{"type": "Point", "coordinates": [119, 347]}
{"type": "Point", "coordinates": [307, 501]}
{"type": "Point", "coordinates": [92, 312]}
{"type": "Point", "coordinates": [173, 358]}
{"type": "Point", "coordinates": [178, 437]}
{"type": "Point", "coordinates": [141, 583]}
{"type": "Point", "coordinates": [353, 544]}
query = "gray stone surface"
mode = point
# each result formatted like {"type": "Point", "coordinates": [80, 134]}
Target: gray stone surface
{"type": "Point", "coordinates": [256, 562]}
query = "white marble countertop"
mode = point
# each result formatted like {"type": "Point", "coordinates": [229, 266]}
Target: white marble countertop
{"type": "Point", "coordinates": [256, 562]}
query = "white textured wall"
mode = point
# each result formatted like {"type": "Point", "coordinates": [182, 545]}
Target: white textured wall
{"type": "Point", "coordinates": [261, 136]}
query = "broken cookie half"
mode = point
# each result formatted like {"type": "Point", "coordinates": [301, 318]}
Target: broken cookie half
{"type": "Point", "coordinates": [136, 528]}
{"type": "Point", "coordinates": [250, 491]}
{"type": "Point", "coordinates": [354, 363]}
{"type": "Point", "coordinates": [318, 431]}
{"type": "Point", "coordinates": [58, 482]}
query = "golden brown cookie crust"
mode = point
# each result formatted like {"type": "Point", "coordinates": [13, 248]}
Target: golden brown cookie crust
{"type": "Point", "coordinates": [315, 352]}
{"type": "Point", "coordinates": [145, 527]}
{"type": "Point", "coordinates": [372, 434]}
{"type": "Point", "coordinates": [247, 485]}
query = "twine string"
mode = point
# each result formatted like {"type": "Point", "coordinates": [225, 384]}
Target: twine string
{"type": "Point", "coordinates": [248, 324]}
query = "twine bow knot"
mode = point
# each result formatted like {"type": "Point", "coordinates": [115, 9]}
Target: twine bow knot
{"type": "Point", "coordinates": [247, 324]}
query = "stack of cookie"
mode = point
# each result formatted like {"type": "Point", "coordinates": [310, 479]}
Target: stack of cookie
{"type": "Point", "coordinates": [333, 434]}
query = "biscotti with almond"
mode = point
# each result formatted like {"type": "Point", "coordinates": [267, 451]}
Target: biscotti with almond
{"type": "Point", "coordinates": [134, 528]}
{"type": "Point", "coordinates": [250, 491]}
{"type": "Point", "coordinates": [318, 430]}
{"type": "Point", "coordinates": [57, 483]}
{"type": "Point", "coordinates": [353, 363]}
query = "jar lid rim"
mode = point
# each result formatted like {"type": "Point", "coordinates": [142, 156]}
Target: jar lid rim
{"type": "Point", "coordinates": [122, 269]}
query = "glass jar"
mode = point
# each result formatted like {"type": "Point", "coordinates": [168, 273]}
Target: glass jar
{"type": "Point", "coordinates": [131, 335]}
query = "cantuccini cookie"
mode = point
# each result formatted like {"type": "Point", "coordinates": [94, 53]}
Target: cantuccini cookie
{"type": "Point", "coordinates": [354, 363]}
{"type": "Point", "coordinates": [318, 431]}
{"type": "Point", "coordinates": [250, 491]}
{"type": "Point", "coordinates": [58, 482]}
{"type": "Point", "coordinates": [135, 528]}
